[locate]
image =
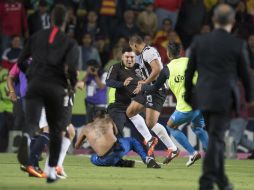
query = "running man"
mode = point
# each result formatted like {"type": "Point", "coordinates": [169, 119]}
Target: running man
{"type": "Point", "coordinates": [101, 135]}
{"type": "Point", "coordinates": [150, 67]}
{"type": "Point", "coordinates": [174, 72]}
{"type": "Point", "coordinates": [38, 144]}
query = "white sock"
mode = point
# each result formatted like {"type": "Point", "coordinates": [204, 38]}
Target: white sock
{"type": "Point", "coordinates": [52, 173]}
{"type": "Point", "coordinates": [140, 125]}
{"type": "Point", "coordinates": [64, 148]}
{"type": "Point", "coordinates": [161, 132]}
{"type": "Point", "coordinates": [46, 168]}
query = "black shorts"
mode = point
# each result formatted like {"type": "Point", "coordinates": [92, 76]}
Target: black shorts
{"type": "Point", "coordinates": [67, 115]}
{"type": "Point", "coordinates": [153, 101]}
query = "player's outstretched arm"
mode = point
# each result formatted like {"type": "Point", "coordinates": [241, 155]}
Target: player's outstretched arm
{"type": "Point", "coordinates": [164, 75]}
{"type": "Point", "coordinates": [81, 138]}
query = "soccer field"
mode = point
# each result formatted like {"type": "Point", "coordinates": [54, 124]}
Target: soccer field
{"type": "Point", "coordinates": [83, 175]}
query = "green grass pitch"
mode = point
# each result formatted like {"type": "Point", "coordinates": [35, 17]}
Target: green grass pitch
{"type": "Point", "coordinates": [83, 175]}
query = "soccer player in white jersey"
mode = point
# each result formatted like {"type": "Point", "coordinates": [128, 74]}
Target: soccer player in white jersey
{"type": "Point", "coordinates": [150, 67]}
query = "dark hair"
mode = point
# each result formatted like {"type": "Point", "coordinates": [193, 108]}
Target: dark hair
{"type": "Point", "coordinates": [15, 36]}
{"type": "Point", "coordinates": [126, 49]}
{"type": "Point", "coordinates": [59, 15]}
{"type": "Point", "coordinates": [93, 62]}
{"type": "Point", "coordinates": [167, 19]}
{"type": "Point", "coordinates": [100, 114]}
{"type": "Point", "coordinates": [136, 39]}
{"type": "Point", "coordinates": [174, 48]}
{"type": "Point", "coordinates": [224, 14]}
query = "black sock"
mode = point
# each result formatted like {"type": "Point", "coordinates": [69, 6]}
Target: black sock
{"type": "Point", "coordinates": [37, 148]}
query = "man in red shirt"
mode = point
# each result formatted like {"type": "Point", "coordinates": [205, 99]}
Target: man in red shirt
{"type": "Point", "coordinates": [13, 21]}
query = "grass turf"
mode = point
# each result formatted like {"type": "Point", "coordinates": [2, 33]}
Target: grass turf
{"type": "Point", "coordinates": [83, 175]}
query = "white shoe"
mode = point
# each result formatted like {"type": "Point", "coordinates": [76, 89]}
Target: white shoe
{"type": "Point", "coordinates": [193, 158]}
{"type": "Point", "coordinates": [60, 172]}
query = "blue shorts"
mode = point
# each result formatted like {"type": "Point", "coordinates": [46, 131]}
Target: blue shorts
{"type": "Point", "coordinates": [120, 149]}
{"type": "Point", "coordinates": [195, 117]}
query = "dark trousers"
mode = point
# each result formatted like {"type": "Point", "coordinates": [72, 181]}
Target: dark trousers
{"type": "Point", "coordinates": [19, 116]}
{"type": "Point", "coordinates": [117, 113]}
{"type": "Point", "coordinates": [52, 96]}
{"type": "Point", "coordinates": [213, 164]}
{"type": "Point", "coordinates": [4, 130]}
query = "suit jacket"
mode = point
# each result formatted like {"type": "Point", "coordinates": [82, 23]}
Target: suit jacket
{"type": "Point", "coordinates": [220, 60]}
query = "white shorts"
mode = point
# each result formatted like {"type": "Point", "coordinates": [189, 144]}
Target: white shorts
{"type": "Point", "coordinates": [43, 120]}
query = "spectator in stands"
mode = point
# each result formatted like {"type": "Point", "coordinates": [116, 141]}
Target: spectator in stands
{"type": "Point", "coordinates": [102, 45]}
{"type": "Point", "coordinates": [162, 34]}
{"type": "Point", "coordinates": [91, 26]}
{"type": "Point", "coordinates": [40, 19]}
{"type": "Point", "coordinates": [167, 9]}
{"type": "Point", "coordinates": [10, 55]}
{"type": "Point", "coordinates": [251, 50]}
{"type": "Point", "coordinates": [108, 18]}
{"type": "Point", "coordinates": [71, 24]}
{"type": "Point", "coordinates": [148, 39]}
{"type": "Point", "coordinates": [94, 81]}
{"type": "Point", "coordinates": [172, 37]}
{"type": "Point", "coordinates": [147, 20]}
{"type": "Point", "coordinates": [122, 42]}
{"type": "Point", "coordinates": [117, 55]}
{"type": "Point", "coordinates": [243, 21]}
{"type": "Point", "coordinates": [162, 43]}
{"type": "Point", "coordinates": [191, 17]}
{"type": "Point", "coordinates": [13, 21]}
{"type": "Point", "coordinates": [88, 51]}
{"type": "Point", "coordinates": [128, 28]}
{"type": "Point", "coordinates": [7, 114]}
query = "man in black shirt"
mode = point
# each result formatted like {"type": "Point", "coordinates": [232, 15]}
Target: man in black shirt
{"type": "Point", "coordinates": [51, 78]}
{"type": "Point", "coordinates": [122, 79]}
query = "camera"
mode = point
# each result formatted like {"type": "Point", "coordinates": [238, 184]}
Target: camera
{"type": "Point", "coordinates": [93, 69]}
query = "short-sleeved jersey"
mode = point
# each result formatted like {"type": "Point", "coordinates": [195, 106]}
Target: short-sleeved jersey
{"type": "Point", "coordinates": [148, 54]}
{"type": "Point", "coordinates": [176, 80]}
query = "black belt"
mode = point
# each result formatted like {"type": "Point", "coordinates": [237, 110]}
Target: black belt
{"type": "Point", "coordinates": [111, 149]}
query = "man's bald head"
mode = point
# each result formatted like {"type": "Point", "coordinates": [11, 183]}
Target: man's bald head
{"type": "Point", "coordinates": [224, 15]}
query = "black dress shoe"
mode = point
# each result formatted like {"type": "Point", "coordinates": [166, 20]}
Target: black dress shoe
{"type": "Point", "coordinates": [228, 187]}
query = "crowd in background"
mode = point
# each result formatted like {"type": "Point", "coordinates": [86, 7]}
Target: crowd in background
{"type": "Point", "coordinates": [102, 29]}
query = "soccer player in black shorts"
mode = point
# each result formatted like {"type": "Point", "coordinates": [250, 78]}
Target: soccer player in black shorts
{"type": "Point", "coordinates": [150, 66]}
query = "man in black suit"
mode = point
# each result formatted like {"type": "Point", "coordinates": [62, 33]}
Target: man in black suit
{"type": "Point", "coordinates": [219, 59]}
